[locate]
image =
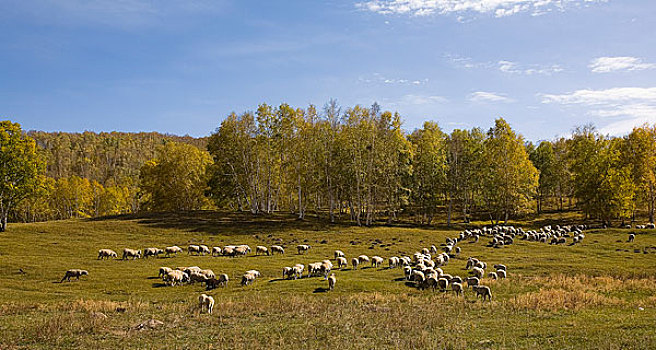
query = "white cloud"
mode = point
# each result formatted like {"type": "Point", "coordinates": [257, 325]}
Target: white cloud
{"type": "Point", "coordinates": [620, 63]}
{"type": "Point", "coordinates": [514, 68]}
{"type": "Point", "coordinates": [482, 96]}
{"type": "Point", "coordinates": [422, 99]}
{"type": "Point", "coordinates": [378, 78]}
{"type": "Point", "coordinates": [498, 8]}
{"type": "Point", "coordinates": [621, 108]}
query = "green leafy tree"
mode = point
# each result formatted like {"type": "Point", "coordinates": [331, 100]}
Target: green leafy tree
{"type": "Point", "coordinates": [176, 179]}
{"type": "Point", "coordinates": [20, 168]}
{"type": "Point", "coordinates": [510, 178]}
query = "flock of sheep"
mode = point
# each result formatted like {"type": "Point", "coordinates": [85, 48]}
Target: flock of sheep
{"type": "Point", "coordinates": [423, 269]}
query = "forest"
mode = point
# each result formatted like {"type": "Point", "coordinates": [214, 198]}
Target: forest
{"type": "Point", "coordinates": [355, 164]}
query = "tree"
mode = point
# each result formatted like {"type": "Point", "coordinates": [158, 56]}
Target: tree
{"type": "Point", "coordinates": [429, 169]}
{"type": "Point", "coordinates": [176, 179]}
{"type": "Point", "coordinates": [20, 167]}
{"type": "Point", "coordinates": [639, 154]}
{"type": "Point", "coordinates": [510, 178]}
{"type": "Point", "coordinates": [544, 160]}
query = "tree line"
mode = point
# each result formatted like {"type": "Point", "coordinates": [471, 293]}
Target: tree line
{"type": "Point", "coordinates": [355, 164]}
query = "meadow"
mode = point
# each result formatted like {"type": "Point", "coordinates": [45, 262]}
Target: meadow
{"type": "Point", "coordinates": [599, 294]}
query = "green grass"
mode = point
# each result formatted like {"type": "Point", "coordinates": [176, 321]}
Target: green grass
{"type": "Point", "coordinates": [561, 297]}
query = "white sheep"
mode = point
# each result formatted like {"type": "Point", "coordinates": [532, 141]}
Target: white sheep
{"type": "Point", "coordinates": [204, 249]}
{"type": "Point", "coordinates": [173, 250]}
{"type": "Point", "coordinates": [417, 276]}
{"type": "Point", "coordinates": [131, 253]}
{"type": "Point", "coordinates": [478, 272]}
{"type": "Point", "coordinates": [152, 252]}
{"type": "Point", "coordinates": [393, 262]}
{"type": "Point", "coordinates": [457, 288]}
{"type": "Point", "coordinates": [206, 301]}
{"type": "Point", "coordinates": [249, 277]}
{"type": "Point", "coordinates": [277, 249]}
{"type": "Point", "coordinates": [229, 251]}
{"type": "Point", "coordinates": [261, 250]}
{"type": "Point", "coordinates": [107, 253]}
{"type": "Point", "coordinates": [407, 271]}
{"type": "Point", "coordinates": [484, 291]}
{"type": "Point", "coordinates": [287, 272]}
{"type": "Point", "coordinates": [501, 273]}
{"type": "Point", "coordinates": [631, 237]}
{"type": "Point", "coordinates": [298, 270]}
{"type": "Point", "coordinates": [217, 251]}
{"type": "Point", "coordinates": [472, 281]}
{"type": "Point", "coordinates": [164, 270]}
{"type": "Point", "coordinates": [355, 262]}
{"type": "Point", "coordinates": [77, 273]}
{"type": "Point", "coordinates": [242, 250]}
{"type": "Point", "coordinates": [331, 281]}
{"type": "Point", "coordinates": [500, 267]}
{"type": "Point", "coordinates": [303, 248]}
{"type": "Point", "coordinates": [443, 283]}
{"type": "Point", "coordinates": [193, 248]}
{"type": "Point", "coordinates": [176, 277]}
{"type": "Point", "coordinates": [341, 262]}
{"type": "Point", "coordinates": [339, 254]}
{"type": "Point", "coordinates": [493, 275]}
{"type": "Point", "coordinates": [363, 259]}
{"type": "Point", "coordinates": [376, 261]}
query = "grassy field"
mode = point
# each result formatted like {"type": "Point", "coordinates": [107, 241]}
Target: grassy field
{"type": "Point", "coordinates": [600, 294]}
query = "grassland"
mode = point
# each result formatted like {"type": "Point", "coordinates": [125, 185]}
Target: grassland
{"type": "Point", "coordinates": [600, 294]}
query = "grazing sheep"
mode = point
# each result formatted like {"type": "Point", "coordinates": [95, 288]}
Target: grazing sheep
{"type": "Point", "coordinates": [456, 279]}
{"type": "Point", "coordinates": [457, 287]}
{"type": "Point", "coordinates": [249, 277]}
{"type": "Point", "coordinates": [208, 273]}
{"type": "Point", "coordinates": [74, 273]}
{"type": "Point", "coordinates": [221, 281]}
{"type": "Point", "coordinates": [277, 249]}
{"type": "Point", "coordinates": [331, 281]}
{"type": "Point", "coordinates": [176, 277]}
{"type": "Point", "coordinates": [196, 276]}
{"type": "Point", "coordinates": [376, 261]}
{"type": "Point", "coordinates": [631, 238]}
{"type": "Point", "coordinates": [493, 275]}
{"type": "Point", "coordinates": [341, 262]}
{"type": "Point", "coordinates": [477, 272]}
{"type": "Point", "coordinates": [107, 253]}
{"type": "Point", "coordinates": [206, 301]}
{"type": "Point", "coordinates": [407, 271]}
{"type": "Point", "coordinates": [500, 267]}
{"type": "Point", "coordinates": [261, 250]}
{"type": "Point", "coordinates": [484, 291]}
{"type": "Point", "coordinates": [298, 270]}
{"type": "Point", "coordinates": [242, 250]}
{"type": "Point", "coordinates": [355, 262]}
{"type": "Point", "coordinates": [443, 283]}
{"type": "Point", "coordinates": [472, 281]}
{"type": "Point", "coordinates": [173, 250]}
{"type": "Point", "coordinates": [204, 249]}
{"type": "Point", "coordinates": [163, 271]}
{"type": "Point", "coordinates": [501, 273]}
{"type": "Point", "coordinates": [193, 248]}
{"type": "Point", "coordinates": [363, 259]}
{"type": "Point", "coordinates": [217, 251]}
{"type": "Point", "coordinates": [190, 269]}
{"type": "Point", "coordinates": [302, 248]}
{"type": "Point", "coordinates": [339, 254]}
{"type": "Point", "coordinates": [393, 262]}
{"type": "Point", "coordinates": [287, 272]}
{"type": "Point", "coordinates": [429, 282]}
{"type": "Point", "coordinates": [417, 276]}
{"type": "Point", "coordinates": [152, 252]}
{"type": "Point", "coordinates": [131, 253]}
{"type": "Point", "coordinates": [229, 251]}
{"type": "Point", "coordinates": [325, 268]}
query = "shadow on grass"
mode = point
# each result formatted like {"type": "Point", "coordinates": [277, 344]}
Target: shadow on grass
{"type": "Point", "coordinates": [159, 285]}
{"type": "Point", "coordinates": [320, 290]}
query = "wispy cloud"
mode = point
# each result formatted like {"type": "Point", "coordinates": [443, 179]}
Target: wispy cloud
{"type": "Point", "coordinates": [483, 96]}
{"type": "Point", "coordinates": [497, 8]}
{"type": "Point", "coordinates": [624, 107]}
{"type": "Point", "coordinates": [514, 68]}
{"type": "Point", "coordinates": [619, 63]}
{"type": "Point", "coordinates": [378, 78]}
{"type": "Point", "coordinates": [505, 66]}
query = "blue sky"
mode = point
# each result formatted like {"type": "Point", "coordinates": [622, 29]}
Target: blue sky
{"type": "Point", "coordinates": [182, 66]}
